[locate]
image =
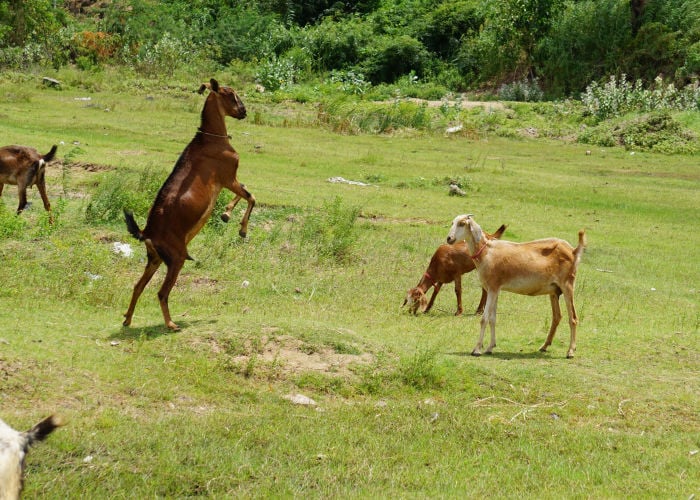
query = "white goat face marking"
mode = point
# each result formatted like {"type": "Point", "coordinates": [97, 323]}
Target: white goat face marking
{"type": "Point", "coordinates": [457, 231]}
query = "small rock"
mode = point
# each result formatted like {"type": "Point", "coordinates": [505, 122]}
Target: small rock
{"type": "Point", "coordinates": [300, 399]}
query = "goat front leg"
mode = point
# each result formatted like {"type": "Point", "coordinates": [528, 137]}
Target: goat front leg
{"type": "Point", "coordinates": [241, 192]}
{"type": "Point", "coordinates": [22, 192]}
{"type": "Point", "coordinates": [226, 216]}
{"type": "Point", "coordinates": [436, 290]}
{"type": "Point", "coordinates": [556, 318]}
{"type": "Point", "coordinates": [489, 312]}
{"type": "Point", "coordinates": [458, 293]}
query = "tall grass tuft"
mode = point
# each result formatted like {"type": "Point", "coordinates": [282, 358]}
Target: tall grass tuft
{"type": "Point", "coordinates": [331, 232]}
{"type": "Point", "coordinates": [422, 371]}
{"type": "Point", "coordinates": [118, 191]}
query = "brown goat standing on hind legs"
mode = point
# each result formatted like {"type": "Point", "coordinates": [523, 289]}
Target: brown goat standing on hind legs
{"type": "Point", "coordinates": [448, 264]}
{"type": "Point", "coordinates": [540, 267]}
{"type": "Point", "coordinates": [186, 199]}
{"type": "Point", "coordinates": [25, 167]}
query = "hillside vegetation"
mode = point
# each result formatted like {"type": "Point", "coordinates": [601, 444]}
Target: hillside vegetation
{"type": "Point", "coordinates": [553, 48]}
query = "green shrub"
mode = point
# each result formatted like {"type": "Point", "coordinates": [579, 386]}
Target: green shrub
{"type": "Point", "coordinates": [387, 58]}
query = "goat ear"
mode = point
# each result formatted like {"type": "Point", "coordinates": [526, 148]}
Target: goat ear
{"type": "Point", "coordinates": [476, 231]}
{"type": "Point", "coordinates": [214, 85]}
{"type": "Point", "coordinates": [203, 87]}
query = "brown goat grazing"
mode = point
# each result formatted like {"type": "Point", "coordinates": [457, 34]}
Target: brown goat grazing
{"type": "Point", "coordinates": [13, 450]}
{"type": "Point", "coordinates": [186, 199]}
{"type": "Point", "coordinates": [448, 264]}
{"type": "Point", "coordinates": [24, 167]}
{"type": "Point", "coordinates": [540, 267]}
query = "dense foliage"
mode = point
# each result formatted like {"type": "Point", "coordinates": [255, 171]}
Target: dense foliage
{"type": "Point", "coordinates": [560, 45]}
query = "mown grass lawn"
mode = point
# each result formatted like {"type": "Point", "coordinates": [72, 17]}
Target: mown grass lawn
{"type": "Point", "coordinates": [402, 409]}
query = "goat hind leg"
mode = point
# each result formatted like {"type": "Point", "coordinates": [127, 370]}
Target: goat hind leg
{"type": "Point", "coordinates": [151, 267]}
{"type": "Point", "coordinates": [573, 320]}
{"type": "Point", "coordinates": [164, 292]}
{"type": "Point", "coordinates": [491, 313]}
{"type": "Point", "coordinates": [556, 318]}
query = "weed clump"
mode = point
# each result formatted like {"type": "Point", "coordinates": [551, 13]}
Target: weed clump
{"type": "Point", "coordinates": [657, 132]}
{"type": "Point", "coordinates": [331, 232]}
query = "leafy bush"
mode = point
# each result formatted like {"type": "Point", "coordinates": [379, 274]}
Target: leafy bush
{"type": "Point", "coordinates": [617, 97]}
{"type": "Point", "coordinates": [275, 74]}
{"type": "Point", "coordinates": [523, 91]}
{"type": "Point", "coordinates": [165, 55]}
{"type": "Point", "coordinates": [586, 39]}
{"type": "Point", "coordinates": [336, 45]}
{"type": "Point", "coordinates": [350, 82]}
{"type": "Point", "coordinates": [388, 58]}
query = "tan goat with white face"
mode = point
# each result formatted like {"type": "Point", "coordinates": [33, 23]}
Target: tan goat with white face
{"type": "Point", "coordinates": [540, 267]}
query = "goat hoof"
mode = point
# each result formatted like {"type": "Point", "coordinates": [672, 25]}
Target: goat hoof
{"type": "Point", "coordinates": [569, 355]}
{"type": "Point", "coordinates": [225, 217]}
{"type": "Point", "coordinates": [242, 234]}
{"type": "Point", "coordinates": [476, 353]}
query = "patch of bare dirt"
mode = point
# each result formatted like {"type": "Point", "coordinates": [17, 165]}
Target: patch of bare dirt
{"type": "Point", "coordinates": [456, 102]}
{"type": "Point", "coordinates": [290, 355]}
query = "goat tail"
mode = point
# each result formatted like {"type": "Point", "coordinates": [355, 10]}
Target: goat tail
{"type": "Point", "coordinates": [50, 155]}
{"type": "Point", "coordinates": [131, 225]}
{"type": "Point", "coordinates": [578, 251]}
{"type": "Point", "coordinates": [41, 430]}
{"type": "Point", "coordinates": [499, 232]}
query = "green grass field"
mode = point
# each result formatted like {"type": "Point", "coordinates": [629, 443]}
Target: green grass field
{"type": "Point", "coordinates": [402, 409]}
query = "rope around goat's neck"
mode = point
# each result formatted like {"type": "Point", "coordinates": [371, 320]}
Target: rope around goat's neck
{"type": "Point", "coordinates": [200, 131]}
{"type": "Point", "coordinates": [478, 253]}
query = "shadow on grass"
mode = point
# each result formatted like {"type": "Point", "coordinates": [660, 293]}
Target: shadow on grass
{"type": "Point", "coordinates": [153, 331]}
{"type": "Point", "coordinates": [505, 356]}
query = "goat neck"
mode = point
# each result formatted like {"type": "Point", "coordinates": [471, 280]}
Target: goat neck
{"type": "Point", "coordinates": [426, 283]}
{"type": "Point", "coordinates": [213, 122]}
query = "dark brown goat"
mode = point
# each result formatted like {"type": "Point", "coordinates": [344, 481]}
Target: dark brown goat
{"type": "Point", "coordinates": [186, 199]}
{"type": "Point", "coordinates": [448, 264]}
{"type": "Point", "coordinates": [24, 167]}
